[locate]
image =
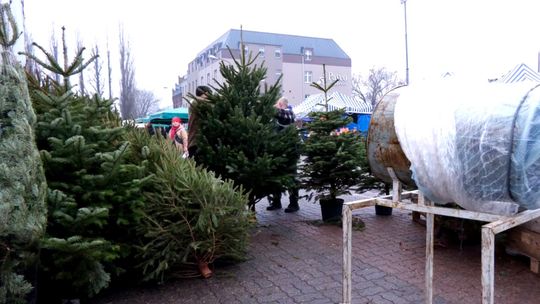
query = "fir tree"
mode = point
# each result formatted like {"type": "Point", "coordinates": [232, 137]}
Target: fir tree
{"type": "Point", "coordinates": [93, 193]}
{"type": "Point", "coordinates": [22, 182]}
{"type": "Point", "coordinates": [333, 157]}
{"type": "Point", "coordinates": [191, 218]}
{"type": "Point", "coordinates": [238, 138]}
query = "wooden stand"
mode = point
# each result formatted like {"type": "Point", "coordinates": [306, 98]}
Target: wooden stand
{"type": "Point", "coordinates": [526, 242]}
{"type": "Point", "coordinates": [496, 224]}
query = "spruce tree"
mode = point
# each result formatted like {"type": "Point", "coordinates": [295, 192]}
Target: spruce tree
{"type": "Point", "coordinates": [93, 193]}
{"type": "Point", "coordinates": [22, 182]}
{"type": "Point", "coordinates": [238, 138]}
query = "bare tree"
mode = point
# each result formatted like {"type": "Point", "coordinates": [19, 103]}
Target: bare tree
{"type": "Point", "coordinates": [378, 83]}
{"type": "Point", "coordinates": [82, 88]}
{"type": "Point", "coordinates": [109, 69]}
{"type": "Point", "coordinates": [127, 79]}
{"type": "Point", "coordinates": [54, 51]}
{"type": "Point", "coordinates": [97, 79]}
{"type": "Point", "coordinates": [145, 103]}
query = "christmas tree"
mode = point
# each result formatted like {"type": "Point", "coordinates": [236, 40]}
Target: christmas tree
{"type": "Point", "coordinates": [238, 139]}
{"type": "Point", "coordinates": [191, 218]}
{"type": "Point", "coordinates": [22, 182]}
{"type": "Point", "coordinates": [335, 157]}
{"type": "Point", "coordinates": [93, 193]}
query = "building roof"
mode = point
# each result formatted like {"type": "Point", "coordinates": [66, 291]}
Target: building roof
{"type": "Point", "coordinates": [290, 44]}
{"type": "Point", "coordinates": [521, 72]}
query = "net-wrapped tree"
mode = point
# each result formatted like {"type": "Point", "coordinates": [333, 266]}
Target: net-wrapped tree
{"type": "Point", "coordinates": [191, 218]}
{"type": "Point", "coordinates": [22, 182]}
{"type": "Point", "coordinates": [93, 193]}
{"type": "Point", "coordinates": [238, 138]}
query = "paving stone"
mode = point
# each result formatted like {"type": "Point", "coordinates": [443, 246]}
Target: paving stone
{"type": "Point", "coordinates": [293, 261]}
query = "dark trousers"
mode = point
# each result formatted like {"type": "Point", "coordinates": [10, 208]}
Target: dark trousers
{"type": "Point", "coordinates": [293, 197]}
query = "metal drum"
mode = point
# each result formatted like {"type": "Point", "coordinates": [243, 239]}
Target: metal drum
{"type": "Point", "coordinates": [384, 149]}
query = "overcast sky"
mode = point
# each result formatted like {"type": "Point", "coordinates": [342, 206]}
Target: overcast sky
{"type": "Point", "coordinates": [470, 38]}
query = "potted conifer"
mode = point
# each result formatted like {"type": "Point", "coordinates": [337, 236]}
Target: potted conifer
{"type": "Point", "coordinates": [333, 158]}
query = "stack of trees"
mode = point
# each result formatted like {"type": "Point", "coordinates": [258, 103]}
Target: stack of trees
{"type": "Point", "coordinates": [121, 202]}
{"type": "Point", "coordinates": [93, 193]}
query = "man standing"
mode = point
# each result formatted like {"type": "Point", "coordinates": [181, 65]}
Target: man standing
{"type": "Point", "coordinates": [201, 94]}
{"type": "Point", "coordinates": [284, 118]}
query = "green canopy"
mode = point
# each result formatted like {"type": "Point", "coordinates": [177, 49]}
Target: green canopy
{"type": "Point", "coordinates": [164, 117]}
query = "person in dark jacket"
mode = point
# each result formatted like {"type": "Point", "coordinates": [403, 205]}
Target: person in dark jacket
{"type": "Point", "coordinates": [284, 117]}
{"type": "Point", "coordinates": [201, 94]}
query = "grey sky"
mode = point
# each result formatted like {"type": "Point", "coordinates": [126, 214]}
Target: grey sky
{"type": "Point", "coordinates": [471, 38]}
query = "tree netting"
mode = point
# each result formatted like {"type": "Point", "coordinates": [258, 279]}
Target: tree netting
{"type": "Point", "coordinates": [474, 145]}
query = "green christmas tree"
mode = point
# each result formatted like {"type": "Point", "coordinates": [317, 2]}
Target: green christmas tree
{"type": "Point", "coordinates": [335, 160]}
{"type": "Point", "coordinates": [22, 181]}
{"type": "Point", "coordinates": [238, 139]}
{"type": "Point", "coordinates": [191, 218]}
{"type": "Point", "coordinates": [93, 193]}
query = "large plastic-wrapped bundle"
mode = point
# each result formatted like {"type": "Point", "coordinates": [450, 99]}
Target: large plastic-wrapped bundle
{"type": "Point", "coordinates": [476, 145]}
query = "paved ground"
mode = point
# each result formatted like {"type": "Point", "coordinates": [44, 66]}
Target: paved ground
{"type": "Point", "coordinates": [292, 260]}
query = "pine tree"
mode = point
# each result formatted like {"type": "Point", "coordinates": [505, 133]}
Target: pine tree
{"type": "Point", "coordinates": [93, 193]}
{"type": "Point", "coordinates": [22, 182]}
{"type": "Point", "coordinates": [238, 138]}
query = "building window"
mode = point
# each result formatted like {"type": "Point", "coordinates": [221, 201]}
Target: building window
{"type": "Point", "coordinates": [308, 54]}
{"type": "Point", "coordinates": [277, 53]}
{"type": "Point", "coordinates": [306, 96]}
{"type": "Point", "coordinates": [215, 74]}
{"type": "Point", "coordinates": [308, 76]}
{"type": "Point", "coordinates": [278, 73]}
{"type": "Point", "coordinates": [207, 78]}
{"type": "Point", "coordinates": [261, 52]}
{"type": "Point", "coordinates": [202, 80]}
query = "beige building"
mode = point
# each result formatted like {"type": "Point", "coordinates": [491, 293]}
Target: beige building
{"type": "Point", "coordinates": [299, 59]}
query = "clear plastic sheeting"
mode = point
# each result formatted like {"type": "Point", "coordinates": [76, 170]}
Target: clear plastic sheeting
{"type": "Point", "coordinates": [477, 145]}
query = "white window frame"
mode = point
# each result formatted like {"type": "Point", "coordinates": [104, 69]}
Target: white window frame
{"type": "Point", "coordinates": [277, 53]}
{"type": "Point", "coordinates": [261, 52]}
{"type": "Point", "coordinates": [308, 54]}
{"type": "Point", "coordinates": [308, 76]}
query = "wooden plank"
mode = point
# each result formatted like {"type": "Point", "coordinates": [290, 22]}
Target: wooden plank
{"type": "Point", "coordinates": [525, 241]}
{"type": "Point", "coordinates": [347, 255]}
{"type": "Point", "coordinates": [506, 223]}
{"type": "Point", "coordinates": [421, 199]}
{"type": "Point", "coordinates": [534, 265]}
{"type": "Point", "coordinates": [488, 265]}
{"type": "Point", "coordinates": [368, 202]}
{"type": "Point", "coordinates": [396, 185]}
{"type": "Point", "coordinates": [430, 220]}
{"type": "Point", "coordinates": [459, 213]}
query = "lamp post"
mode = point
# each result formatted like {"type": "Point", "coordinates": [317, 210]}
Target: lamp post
{"type": "Point", "coordinates": [404, 2]}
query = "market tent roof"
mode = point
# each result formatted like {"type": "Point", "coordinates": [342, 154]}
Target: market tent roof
{"type": "Point", "coordinates": [170, 113]}
{"type": "Point", "coordinates": [520, 72]}
{"type": "Point", "coordinates": [336, 101]}
{"type": "Point", "coordinates": [164, 117]}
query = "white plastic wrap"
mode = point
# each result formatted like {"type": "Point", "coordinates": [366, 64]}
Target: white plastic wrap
{"type": "Point", "coordinates": [474, 145]}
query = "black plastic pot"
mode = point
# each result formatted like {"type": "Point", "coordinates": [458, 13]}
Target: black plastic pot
{"type": "Point", "coordinates": [382, 210]}
{"type": "Point", "coordinates": [331, 209]}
